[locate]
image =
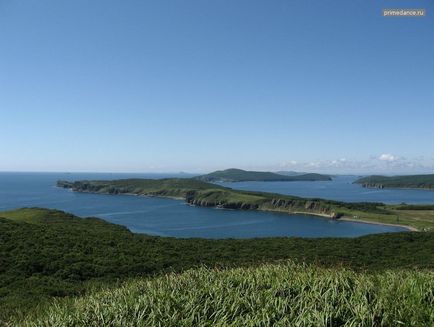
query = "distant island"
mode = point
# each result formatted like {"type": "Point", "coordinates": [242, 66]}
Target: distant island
{"type": "Point", "coordinates": [408, 181]}
{"type": "Point", "coordinates": [239, 175]}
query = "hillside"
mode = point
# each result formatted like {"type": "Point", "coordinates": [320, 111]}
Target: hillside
{"type": "Point", "coordinates": [239, 175]}
{"type": "Point", "coordinates": [269, 295]}
{"type": "Point", "coordinates": [409, 181]}
{"type": "Point", "coordinates": [167, 187]}
{"type": "Point", "coordinates": [289, 172]}
{"type": "Point", "coordinates": [49, 253]}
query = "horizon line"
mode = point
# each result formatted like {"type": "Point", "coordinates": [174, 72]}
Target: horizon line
{"type": "Point", "coordinates": [197, 173]}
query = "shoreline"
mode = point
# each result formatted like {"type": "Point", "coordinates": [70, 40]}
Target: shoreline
{"type": "Point", "coordinates": [323, 215]}
{"type": "Point", "coordinates": [409, 228]}
{"type": "Point", "coordinates": [308, 213]}
{"type": "Point", "coordinates": [398, 188]}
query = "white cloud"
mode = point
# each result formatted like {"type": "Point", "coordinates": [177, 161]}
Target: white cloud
{"type": "Point", "coordinates": [376, 164]}
{"type": "Point", "coordinates": [288, 164]}
{"type": "Point", "coordinates": [388, 157]}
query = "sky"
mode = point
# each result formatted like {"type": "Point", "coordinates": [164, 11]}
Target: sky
{"type": "Point", "coordinates": [168, 86]}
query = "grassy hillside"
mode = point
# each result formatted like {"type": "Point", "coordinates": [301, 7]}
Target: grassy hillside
{"type": "Point", "coordinates": [239, 175]}
{"type": "Point", "coordinates": [270, 295]}
{"type": "Point", "coordinates": [176, 187]}
{"type": "Point", "coordinates": [410, 181]}
{"type": "Point", "coordinates": [48, 253]}
{"type": "Point", "coordinates": [201, 193]}
{"type": "Point", "coordinates": [289, 172]}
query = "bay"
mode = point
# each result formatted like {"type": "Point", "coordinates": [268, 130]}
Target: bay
{"type": "Point", "coordinates": [167, 217]}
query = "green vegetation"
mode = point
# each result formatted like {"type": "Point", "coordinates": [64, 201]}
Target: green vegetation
{"type": "Point", "coordinates": [239, 175]}
{"type": "Point", "coordinates": [425, 207]}
{"type": "Point", "coordinates": [167, 187]}
{"type": "Point", "coordinates": [200, 193]}
{"type": "Point", "coordinates": [47, 254]}
{"type": "Point", "coordinates": [410, 181]}
{"type": "Point", "coordinates": [269, 295]}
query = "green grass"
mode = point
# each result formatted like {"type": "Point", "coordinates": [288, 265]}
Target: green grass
{"type": "Point", "coordinates": [422, 220]}
{"type": "Point", "coordinates": [178, 187]}
{"type": "Point", "coordinates": [283, 294]}
{"type": "Point", "coordinates": [46, 254]}
{"type": "Point", "coordinates": [28, 215]}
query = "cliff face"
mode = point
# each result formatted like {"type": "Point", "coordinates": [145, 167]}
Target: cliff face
{"type": "Point", "coordinates": [310, 206]}
{"type": "Point", "coordinates": [266, 204]}
{"type": "Point", "coordinates": [223, 205]}
{"type": "Point", "coordinates": [373, 185]}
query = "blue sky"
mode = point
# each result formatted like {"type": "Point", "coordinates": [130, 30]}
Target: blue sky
{"type": "Point", "coordinates": [328, 86]}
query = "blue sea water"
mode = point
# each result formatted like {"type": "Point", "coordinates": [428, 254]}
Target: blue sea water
{"type": "Point", "coordinates": [167, 217]}
{"type": "Point", "coordinates": [341, 188]}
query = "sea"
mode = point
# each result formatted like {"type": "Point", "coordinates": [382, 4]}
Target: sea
{"type": "Point", "coordinates": [175, 218]}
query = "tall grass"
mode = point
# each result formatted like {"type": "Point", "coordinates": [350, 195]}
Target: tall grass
{"type": "Point", "coordinates": [284, 294]}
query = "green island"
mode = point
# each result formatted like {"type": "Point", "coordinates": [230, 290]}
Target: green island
{"type": "Point", "coordinates": [197, 192]}
{"type": "Point", "coordinates": [57, 269]}
{"type": "Point", "coordinates": [409, 181]}
{"type": "Point", "coordinates": [239, 175]}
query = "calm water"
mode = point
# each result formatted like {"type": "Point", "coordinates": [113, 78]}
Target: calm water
{"type": "Point", "coordinates": [167, 217]}
{"type": "Point", "coordinates": [340, 188]}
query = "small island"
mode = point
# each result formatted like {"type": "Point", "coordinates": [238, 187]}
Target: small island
{"type": "Point", "coordinates": [409, 181]}
{"type": "Point", "coordinates": [239, 175]}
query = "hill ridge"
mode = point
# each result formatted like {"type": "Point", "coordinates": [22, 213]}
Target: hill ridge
{"type": "Point", "coordinates": [240, 175]}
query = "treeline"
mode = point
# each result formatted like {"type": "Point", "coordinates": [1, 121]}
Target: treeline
{"type": "Point", "coordinates": [58, 254]}
{"type": "Point", "coordinates": [415, 207]}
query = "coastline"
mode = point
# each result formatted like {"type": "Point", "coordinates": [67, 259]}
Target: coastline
{"type": "Point", "coordinates": [323, 215]}
{"type": "Point", "coordinates": [129, 194]}
{"type": "Point", "coordinates": [398, 188]}
{"type": "Point", "coordinates": [146, 195]}
{"type": "Point", "coordinates": [409, 228]}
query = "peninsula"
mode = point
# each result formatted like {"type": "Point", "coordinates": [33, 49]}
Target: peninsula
{"type": "Point", "coordinates": [408, 181]}
{"type": "Point", "coordinates": [239, 175]}
{"type": "Point", "coordinates": [196, 192]}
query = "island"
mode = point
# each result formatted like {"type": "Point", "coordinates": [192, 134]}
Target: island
{"type": "Point", "coordinates": [239, 175]}
{"type": "Point", "coordinates": [408, 181]}
{"type": "Point", "coordinates": [200, 193]}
